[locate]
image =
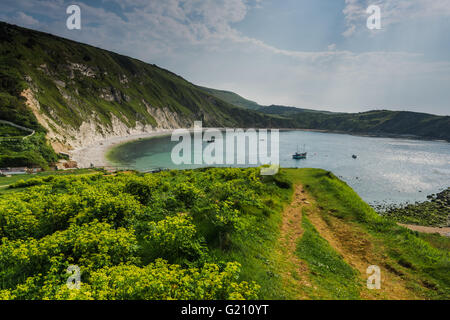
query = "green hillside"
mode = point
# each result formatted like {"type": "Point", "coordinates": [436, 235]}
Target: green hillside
{"type": "Point", "coordinates": [218, 233]}
{"type": "Point", "coordinates": [381, 122]}
{"type": "Point", "coordinates": [376, 122]}
{"type": "Point", "coordinates": [78, 84]}
{"type": "Point", "coordinates": [59, 67]}
{"type": "Point", "coordinates": [232, 98]}
{"type": "Point", "coordinates": [75, 82]}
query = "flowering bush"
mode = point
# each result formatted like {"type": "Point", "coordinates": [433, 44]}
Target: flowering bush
{"type": "Point", "coordinates": [132, 236]}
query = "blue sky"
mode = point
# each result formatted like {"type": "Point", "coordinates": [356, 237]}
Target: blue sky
{"type": "Point", "coordinates": [306, 53]}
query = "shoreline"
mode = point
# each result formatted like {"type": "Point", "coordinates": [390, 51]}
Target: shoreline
{"type": "Point", "coordinates": [95, 154]}
{"type": "Point", "coordinates": [371, 135]}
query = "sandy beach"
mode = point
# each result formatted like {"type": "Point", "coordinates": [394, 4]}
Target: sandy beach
{"type": "Point", "coordinates": [95, 154]}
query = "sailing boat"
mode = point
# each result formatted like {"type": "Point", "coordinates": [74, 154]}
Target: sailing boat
{"type": "Point", "coordinates": [298, 155]}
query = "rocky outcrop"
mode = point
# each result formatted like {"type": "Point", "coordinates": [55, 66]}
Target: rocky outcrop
{"type": "Point", "coordinates": [84, 70]}
{"type": "Point", "coordinates": [167, 119]}
{"type": "Point", "coordinates": [65, 138]}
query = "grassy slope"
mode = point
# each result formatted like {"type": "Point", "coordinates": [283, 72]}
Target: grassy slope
{"type": "Point", "coordinates": [165, 199]}
{"type": "Point", "coordinates": [5, 181]}
{"type": "Point", "coordinates": [420, 263]}
{"type": "Point", "coordinates": [9, 131]}
{"type": "Point", "coordinates": [46, 59]}
{"type": "Point", "coordinates": [335, 278]}
{"type": "Point", "coordinates": [232, 98]}
{"type": "Point", "coordinates": [129, 80]}
{"type": "Point", "coordinates": [69, 96]}
{"type": "Point", "coordinates": [337, 220]}
{"type": "Point", "coordinates": [30, 152]}
{"type": "Point", "coordinates": [382, 122]}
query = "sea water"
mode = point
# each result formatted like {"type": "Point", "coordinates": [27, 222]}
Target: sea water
{"type": "Point", "coordinates": [386, 170]}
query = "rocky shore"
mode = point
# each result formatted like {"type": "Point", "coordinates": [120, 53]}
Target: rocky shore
{"type": "Point", "coordinates": [432, 213]}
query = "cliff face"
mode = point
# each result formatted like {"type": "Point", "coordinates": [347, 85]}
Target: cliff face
{"type": "Point", "coordinates": [78, 95]}
{"type": "Point", "coordinates": [66, 138]}
{"type": "Point", "coordinates": [81, 95]}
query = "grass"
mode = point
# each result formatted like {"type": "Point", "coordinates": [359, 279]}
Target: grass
{"type": "Point", "coordinates": [46, 60]}
{"type": "Point", "coordinates": [6, 181]}
{"type": "Point", "coordinates": [32, 151]}
{"type": "Point", "coordinates": [436, 240]}
{"type": "Point", "coordinates": [422, 260]}
{"type": "Point", "coordinates": [171, 192]}
{"type": "Point", "coordinates": [257, 255]}
{"type": "Point", "coordinates": [333, 277]}
{"type": "Point", "coordinates": [376, 122]}
{"type": "Point", "coordinates": [10, 131]}
{"type": "Point", "coordinates": [258, 263]}
{"type": "Point", "coordinates": [31, 59]}
{"type": "Point", "coordinates": [422, 263]}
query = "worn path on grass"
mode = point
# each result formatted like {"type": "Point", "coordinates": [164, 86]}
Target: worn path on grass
{"type": "Point", "coordinates": [356, 247]}
{"type": "Point", "coordinates": [295, 271]}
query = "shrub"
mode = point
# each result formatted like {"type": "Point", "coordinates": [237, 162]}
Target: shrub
{"type": "Point", "coordinates": [174, 238]}
{"type": "Point", "coordinates": [282, 181]}
{"type": "Point", "coordinates": [127, 234]}
{"type": "Point", "coordinates": [163, 281]}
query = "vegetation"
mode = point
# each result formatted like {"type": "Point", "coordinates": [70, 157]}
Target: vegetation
{"type": "Point", "coordinates": [97, 81]}
{"type": "Point", "coordinates": [160, 236]}
{"type": "Point", "coordinates": [380, 122]}
{"type": "Point", "coordinates": [194, 234]}
{"type": "Point", "coordinates": [232, 98]}
{"type": "Point", "coordinates": [335, 276]}
{"type": "Point", "coordinates": [377, 122]}
{"type": "Point", "coordinates": [422, 265]}
{"type": "Point", "coordinates": [12, 83]}
{"type": "Point", "coordinates": [6, 181]}
{"type": "Point", "coordinates": [74, 82]}
{"type": "Point", "coordinates": [10, 131]}
{"type": "Point", "coordinates": [29, 152]}
{"type": "Point", "coordinates": [433, 213]}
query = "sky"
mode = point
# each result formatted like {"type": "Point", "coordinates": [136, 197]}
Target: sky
{"type": "Point", "coordinates": [316, 54]}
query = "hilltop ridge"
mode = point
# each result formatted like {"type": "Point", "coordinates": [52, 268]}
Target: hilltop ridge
{"type": "Point", "coordinates": [373, 122]}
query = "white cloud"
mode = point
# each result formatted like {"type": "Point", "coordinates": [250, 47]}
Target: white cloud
{"type": "Point", "coordinates": [20, 18]}
{"type": "Point", "coordinates": [332, 47]}
{"type": "Point", "coordinates": [198, 39]}
{"type": "Point", "coordinates": [26, 20]}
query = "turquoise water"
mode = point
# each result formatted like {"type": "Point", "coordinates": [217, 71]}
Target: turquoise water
{"type": "Point", "coordinates": [387, 170]}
